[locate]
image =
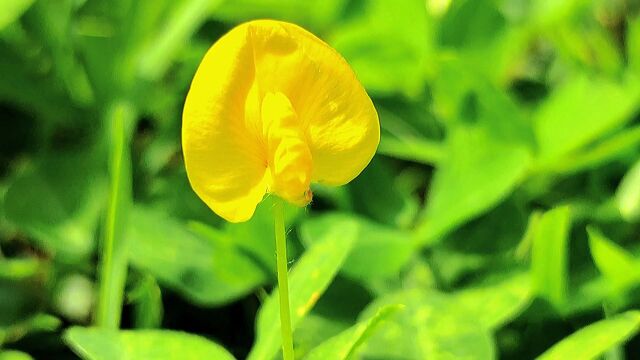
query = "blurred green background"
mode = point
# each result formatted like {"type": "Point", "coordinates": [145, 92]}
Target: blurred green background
{"type": "Point", "coordinates": [499, 219]}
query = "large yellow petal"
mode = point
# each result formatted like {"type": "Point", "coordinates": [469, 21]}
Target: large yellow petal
{"type": "Point", "coordinates": [224, 156]}
{"type": "Point", "coordinates": [337, 115]}
{"type": "Point", "coordinates": [230, 156]}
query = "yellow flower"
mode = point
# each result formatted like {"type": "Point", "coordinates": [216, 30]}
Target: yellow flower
{"type": "Point", "coordinates": [271, 109]}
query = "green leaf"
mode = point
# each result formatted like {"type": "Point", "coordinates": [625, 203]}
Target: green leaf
{"type": "Point", "coordinates": [58, 202]}
{"type": "Point", "coordinates": [198, 261]}
{"type": "Point", "coordinates": [97, 344]}
{"type": "Point", "coordinates": [11, 10]}
{"type": "Point", "coordinates": [633, 43]}
{"type": "Point", "coordinates": [37, 323]}
{"type": "Point", "coordinates": [389, 249]}
{"type": "Point", "coordinates": [496, 302]}
{"type": "Point", "coordinates": [308, 279]}
{"type": "Point", "coordinates": [18, 269]}
{"type": "Point", "coordinates": [345, 344]}
{"type": "Point", "coordinates": [478, 172]}
{"type": "Point", "coordinates": [549, 255]}
{"type": "Point", "coordinates": [582, 110]}
{"type": "Point", "coordinates": [431, 326]}
{"type": "Point", "coordinates": [594, 340]}
{"type": "Point", "coordinates": [183, 22]}
{"type": "Point", "coordinates": [387, 55]}
{"type": "Point", "coordinates": [147, 299]}
{"type": "Point", "coordinates": [14, 355]}
{"type": "Point", "coordinates": [614, 147]}
{"type": "Point", "coordinates": [411, 149]}
{"type": "Point", "coordinates": [628, 194]}
{"type": "Point", "coordinates": [614, 262]}
{"type": "Point", "coordinates": [315, 14]}
{"type": "Point", "coordinates": [397, 208]}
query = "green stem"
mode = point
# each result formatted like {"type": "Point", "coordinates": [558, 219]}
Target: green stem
{"type": "Point", "coordinates": [113, 265]}
{"type": "Point", "coordinates": [283, 283]}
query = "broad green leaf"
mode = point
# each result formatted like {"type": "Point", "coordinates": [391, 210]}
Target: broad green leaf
{"type": "Point", "coordinates": [594, 340]}
{"type": "Point", "coordinates": [389, 249]}
{"type": "Point", "coordinates": [582, 110]}
{"type": "Point", "coordinates": [308, 279]}
{"type": "Point", "coordinates": [494, 303]}
{"type": "Point", "coordinates": [478, 172]}
{"type": "Point", "coordinates": [345, 344]}
{"type": "Point", "coordinates": [97, 344]}
{"type": "Point", "coordinates": [58, 202]}
{"type": "Point", "coordinates": [14, 355]}
{"type": "Point", "coordinates": [610, 149]}
{"type": "Point", "coordinates": [549, 255]}
{"type": "Point", "coordinates": [11, 10]}
{"type": "Point", "coordinates": [431, 326]}
{"type": "Point", "coordinates": [397, 208]}
{"type": "Point", "coordinates": [197, 261]}
{"type": "Point", "coordinates": [628, 194]}
{"type": "Point", "coordinates": [614, 262]}
{"type": "Point", "coordinates": [386, 54]}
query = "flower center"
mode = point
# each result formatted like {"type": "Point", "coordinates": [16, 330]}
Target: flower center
{"type": "Point", "coordinates": [289, 157]}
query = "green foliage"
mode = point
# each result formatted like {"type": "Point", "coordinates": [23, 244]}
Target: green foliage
{"type": "Point", "coordinates": [500, 214]}
{"type": "Point", "coordinates": [620, 268]}
{"type": "Point", "coordinates": [344, 345]}
{"type": "Point", "coordinates": [549, 255]}
{"type": "Point", "coordinates": [389, 248]}
{"type": "Point", "coordinates": [430, 326]}
{"type": "Point", "coordinates": [96, 344]}
{"type": "Point", "coordinates": [308, 280]}
{"type": "Point", "coordinates": [593, 340]}
{"type": "Point", "coordinates": [196, 260]}
{"type": "Point", "coordinates": [11, 10]}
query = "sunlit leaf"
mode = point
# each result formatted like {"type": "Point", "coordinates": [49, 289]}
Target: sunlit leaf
{"type": "Point", "coordinates": [496, 302]}
{"type": "Point", "coordinates": [582, 110]}
{"type": "Point", "coordinates": [386, 247]}
{"type": "Point", "coordinates": [478, 172]}
{"type": "Point", "coordinates": [97, 344]}
{"type": "Point", "coordinates": [595, 339]}
{"type": "Point", "coordinates": [549, 255]}
{"type": "Point", "coordinates": [431, 326]}
{"type": "Point", "coordinates": [614, 262]}
{"type": "Point", "coordinates": [10, 10]}
{"type": "Point", "coordinates": [345, 344]}
{"type": "Point", "coordinates": [387, 44]}
{"type": "Point", "coordinates": [14, 355]}
{"type": "Point", "coordinates": [628, 194]}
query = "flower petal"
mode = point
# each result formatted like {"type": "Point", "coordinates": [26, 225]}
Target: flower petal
{"type": "Point", "coordinates": [224, 156]}
{"type": "Point", "coordinates": [337, 115]}
{"type": "Point", "coordinates": [226, 149]}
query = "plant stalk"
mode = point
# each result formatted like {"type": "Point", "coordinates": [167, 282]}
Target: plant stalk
{"type": "Point", "coordinates": [283, 283]}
